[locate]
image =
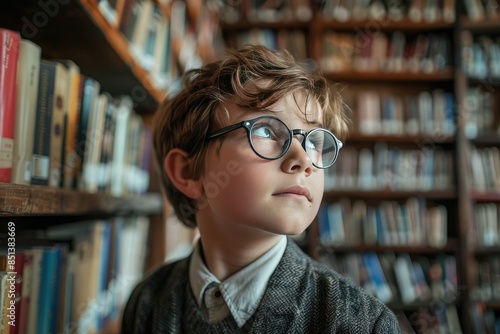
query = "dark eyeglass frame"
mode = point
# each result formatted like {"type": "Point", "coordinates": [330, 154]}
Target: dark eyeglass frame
{"type": "Point", "coordinates": [248, 124]}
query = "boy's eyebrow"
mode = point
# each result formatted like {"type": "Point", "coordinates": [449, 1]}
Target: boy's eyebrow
{"type": "Point", "coordinates": [316, 123]}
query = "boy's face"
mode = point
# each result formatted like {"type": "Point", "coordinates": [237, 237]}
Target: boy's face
{"type": "Point", "coordinates": [246, 192]}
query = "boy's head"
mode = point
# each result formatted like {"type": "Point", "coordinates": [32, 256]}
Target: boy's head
{"type": "Point", "coordinates": [248, 83]}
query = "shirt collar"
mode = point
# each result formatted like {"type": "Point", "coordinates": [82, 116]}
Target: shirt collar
{"type": "Point", "coordinates": [242, 291]}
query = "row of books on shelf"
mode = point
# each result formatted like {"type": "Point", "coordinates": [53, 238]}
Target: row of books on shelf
{"type": "Point", "coordinates": [486, 225]}
{"type": "Point", "coordinates": [479, 113]}
{"type": "Point", "coordinates": [266, 11]}
{"type": "Point", "coordinates": [391, 167]}
{"type": "Point", "coordinates": [480, 56]}
{"type": "Point", "coordinates": [293, 40]}
{"type": "Point", "coordinates": [74, 279]}
{"type": "Point", "coordinates": [478, 10]}
{"type": "Point", "coordinates": [166, 45]}
{"type": "Point", "coordinates": [397, 53]}
{"type": "Point", "coordinates": [484, 168]}
{"type": "Point", "coordinates": [430, 113]}
{"type": "Point", "coordinates": [390, 223]}
{"type": "Point", "coordinates": [390, 10]}
{"type": "Point", "coordinates": [400, 279]}
{"type": "Point", "coordinates": [148, 33]}
{"type": "Point", "coordinates": [487, 279]}
{"type": "Point", "coordinates": [61, 130]}
{"type": "Point", "coordinates": [484, 319]}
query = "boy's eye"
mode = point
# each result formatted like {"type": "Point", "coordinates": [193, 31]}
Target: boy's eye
{"type": "Point", "coordinates": [264, 131]}
{"type": "Point", "coordinates": [314, 144]}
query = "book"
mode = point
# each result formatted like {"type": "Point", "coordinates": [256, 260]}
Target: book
{"type": "Point", "coordinates": [35, 290]}
{"type": "Point", "coordinates": [123, 114]}
{"type": "Point", "coordinates": [95, 134]}
{"type": "Point", "coordinates": [50, 271]}
{"type": "Point", "coordinates": [28, 70]}
{"type": "Point", "coordinates": [58, 124]}
{"type": "Point", "coordinates": [90, 93]}
{"type": "Point", "coordinates": [41, 146]}
{"type": "Point", "coordinates": [74, 97]}
{"type": "Point", "coordinates": [9, 52]}
{"type": "Point", "coordinates": [376, 274]}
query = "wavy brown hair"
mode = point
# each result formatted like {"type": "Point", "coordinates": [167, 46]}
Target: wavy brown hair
{"type": "Point", "coordinates": [254, 78]}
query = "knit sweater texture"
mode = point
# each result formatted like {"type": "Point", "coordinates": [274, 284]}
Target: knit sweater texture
{"type": "Point", "coordinates": [302, 296]}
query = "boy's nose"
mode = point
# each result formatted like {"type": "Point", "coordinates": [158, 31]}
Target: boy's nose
{"type": "Point", "coordinates": [297, 159]}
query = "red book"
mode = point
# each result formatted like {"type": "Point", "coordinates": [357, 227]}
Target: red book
{"type": "Point", "coordinates": [9, 49]}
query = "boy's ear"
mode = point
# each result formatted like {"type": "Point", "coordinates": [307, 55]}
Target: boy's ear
{"type": "Point", "coordinates": [178, 167]}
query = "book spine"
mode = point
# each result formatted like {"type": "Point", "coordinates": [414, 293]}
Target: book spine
{"type": "Point", "coordinates": [9, 49]}
{"type": "Point", "coordinates": [57, 128]}
{"type": "Point", "coordinates": [41, 145]}
{"type": "Point", "coordinates": [28, 70]}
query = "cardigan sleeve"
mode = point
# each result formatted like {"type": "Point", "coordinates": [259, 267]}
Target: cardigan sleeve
{"type": "Point", "coordinates": [386, 323]}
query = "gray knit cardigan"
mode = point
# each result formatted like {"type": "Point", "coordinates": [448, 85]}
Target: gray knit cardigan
{"type": "Point", "coordinates": [302, 296]}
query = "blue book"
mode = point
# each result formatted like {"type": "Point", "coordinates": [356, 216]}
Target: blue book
{"type": "Point", "coordinates": [103, 268]}
{"type": "Point", "coordinates": [374, 269]}
{"type": "Point", "coordinates": [47, 295]}
{"type": "Point", "coordinates": [324, 226]}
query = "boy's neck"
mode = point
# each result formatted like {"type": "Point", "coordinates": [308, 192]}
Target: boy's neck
{"type": "Point", "coordinates": [226, 254]}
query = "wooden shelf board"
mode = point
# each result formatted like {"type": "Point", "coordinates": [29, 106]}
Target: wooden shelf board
{"type": "Point", "coordinates": [485, 251]}
{"type": "Point", "coordinates": [489, 24]}
{"type": "Point", "coordinates": [247, 25]}
{"type": "Point", "coordinates": [389, 194]}
{"type": "Point", "coordinates": [445, 75]}
{"type": "Point", "coordinates": [410, 139]}
{"type": "Point", "coordinates": [20, 200]}
{"type": "Point", "coordinates": [485, 196]}
{"type": "Point", "coordinates": [487, 138]}
{"type": "Point", "coordinates": [88, 40]}
{"type": "Point", "coordinates": [487, 82]}
{"type": "Point", "coordinates": [451, 247]}
{"type": "Point", "coordinates": [373, 26]}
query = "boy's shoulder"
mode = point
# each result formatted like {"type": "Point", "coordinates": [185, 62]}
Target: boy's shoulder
{"type": "Point", "coordinates": [325, 276]}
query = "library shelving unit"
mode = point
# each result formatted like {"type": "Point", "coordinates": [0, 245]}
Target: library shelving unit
{"type": "Point", "coordinates": [450, 188]}
{"type": "Point", "coordinates": [478, 142]}
{"type": "Point", "coordinates": [78, 30]}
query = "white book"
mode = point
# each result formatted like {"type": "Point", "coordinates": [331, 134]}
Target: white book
{"type": "Point", "coordinates": [95, 132]}
{"type": "Point", "coordinates": [404, 279]}
{"type": "Point", "coordinates": [35, 290]}
{"type": "Point", "coordinates": [28, 68]}
{"type": "Point", "coordinates": [123, 113]}
{"type": "Point", "coordinates": [366, 178]}
{"type": "Point", "coordinates": [336, 222]}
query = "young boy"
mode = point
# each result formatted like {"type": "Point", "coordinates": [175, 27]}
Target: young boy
{"type": "Point", "coordinates": [243, 148]}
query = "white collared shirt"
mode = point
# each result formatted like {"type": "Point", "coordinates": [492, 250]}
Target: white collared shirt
{"type": "Point", "coordinates": [240, 294]}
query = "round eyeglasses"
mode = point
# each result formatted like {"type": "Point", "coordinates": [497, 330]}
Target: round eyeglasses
{"type": "Point", "coordinates": [270, 139]}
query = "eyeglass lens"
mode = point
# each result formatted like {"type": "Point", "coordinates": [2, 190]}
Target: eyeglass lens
{"type": "Point", "coordinates": [270, 139]}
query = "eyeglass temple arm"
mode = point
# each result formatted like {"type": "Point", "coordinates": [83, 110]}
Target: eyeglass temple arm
{"type": "Point", "coordinates": [225, 130]}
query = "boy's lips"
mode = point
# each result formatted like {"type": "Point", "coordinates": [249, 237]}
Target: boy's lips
{"type": "Point", "coordinates": [295, 190]}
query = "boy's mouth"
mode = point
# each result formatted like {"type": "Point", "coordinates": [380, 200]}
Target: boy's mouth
{"type": "Point", "coordinates": [295, 191]}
